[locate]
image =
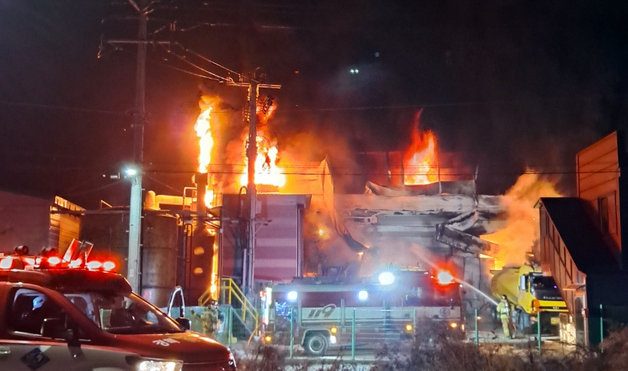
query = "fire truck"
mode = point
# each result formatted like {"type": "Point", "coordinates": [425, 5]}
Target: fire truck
{"type": "Point", "coordinates": [73, 312]}
{"type": "Point", "coordinates": [324, 314]}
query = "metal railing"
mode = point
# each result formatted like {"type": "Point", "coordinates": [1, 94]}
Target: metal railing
{"type": "Point", "coordinates": [230, 293]}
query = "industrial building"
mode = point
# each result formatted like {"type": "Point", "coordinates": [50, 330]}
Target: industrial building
{"type": "Point", "coordinates": [582, 244]}
{"type": "Point", "coordinates": [36, 221]}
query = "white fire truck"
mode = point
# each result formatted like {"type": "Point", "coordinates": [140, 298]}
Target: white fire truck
{"type": "Point", "coordinates": [324, 314]}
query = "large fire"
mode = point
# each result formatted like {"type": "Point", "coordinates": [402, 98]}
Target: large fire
{"type": "Point", "coordinates": [206, 141]}
{"type": "Point", "coordinates": [521, 231]}
{"type": "Point", "coordinates": [266, 170]}
{"type": "Point", "coordinates": [421, 164]}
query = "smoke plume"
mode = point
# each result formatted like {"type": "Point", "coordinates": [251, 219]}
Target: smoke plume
{"type": "Point", "coordinates": [522, 225]}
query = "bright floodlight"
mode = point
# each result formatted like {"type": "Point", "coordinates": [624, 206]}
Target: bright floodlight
{"type": "Point", "coordinates": [292, 296]}
{"type": "Point", "coordinates": [363, 295]}
{"type": "Point", "coordinates": [386, 278]}
{"type": "Point", "coordinates": [130, 171]}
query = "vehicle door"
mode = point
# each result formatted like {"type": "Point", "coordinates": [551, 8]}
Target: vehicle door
{"type": "Point", "coordinates": [43, 335]}
{"type": "Point", "coordinates": [44, 355]}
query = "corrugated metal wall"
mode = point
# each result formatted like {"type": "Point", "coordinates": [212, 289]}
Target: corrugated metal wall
{"type": "Point", "coordinates": [279, 237]}
{"type": "Point", "coordinates": [555, 258]}
{"type": "Point", "coordinates": [63, 227]}
{"type": "Point", "coordinates": [598, 173]}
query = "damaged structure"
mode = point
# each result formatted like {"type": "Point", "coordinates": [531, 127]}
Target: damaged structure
{"type": "Point", "coordinates": [422, 225]}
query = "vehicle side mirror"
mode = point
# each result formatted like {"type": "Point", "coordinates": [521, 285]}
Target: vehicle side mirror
{"type": "Point", "coordinates": [184, 322]}
{"type": "Point", "coordinates": [57, 328]}
{"type": "Point", "coordinates": [53, 328]}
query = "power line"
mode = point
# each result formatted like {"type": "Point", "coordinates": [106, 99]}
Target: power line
{"type": "Point", "coordinates": [366, 173]}
{"type": "Point", "coordinates": [91, 190]}
{"type": "Point", "coordinates": [187, 50]}
{"type": "Point", "coordinates": [185, 60]}
{"type": "Point", "coordinates": [162, 183]}
{"type": "Point", "coordinates": [188, 72]}
{"type": "Point", "coordinates": [469, 174]}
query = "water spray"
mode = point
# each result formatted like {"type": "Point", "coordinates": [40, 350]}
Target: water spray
{"type": "Point", "coordinates": [465, 283]}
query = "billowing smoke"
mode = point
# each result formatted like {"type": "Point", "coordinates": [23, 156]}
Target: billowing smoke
{"type": "Point", "coordinates": [521, 232]}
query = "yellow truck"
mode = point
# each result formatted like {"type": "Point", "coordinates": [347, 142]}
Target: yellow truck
{"type": "Point", "coordinates": [530, 292]}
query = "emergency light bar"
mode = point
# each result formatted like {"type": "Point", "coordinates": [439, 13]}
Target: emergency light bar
{"type": "Point", "coordinates": [75, 257]}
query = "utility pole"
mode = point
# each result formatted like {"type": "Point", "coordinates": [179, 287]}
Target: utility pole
{"type": "Point", "coordinates": [134, 261]}
{"type": "Point", "coordinates": [251, 153]}
{"type": "Point", "coordinates": [135, 208]}
{"type": "Point", "coordinates": [248, 261]}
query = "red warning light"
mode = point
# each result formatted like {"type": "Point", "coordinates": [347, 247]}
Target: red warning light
{"type": "Point", "coordinates": [54, 260]}
{"type": "Point", "coordinates": [108, 265]}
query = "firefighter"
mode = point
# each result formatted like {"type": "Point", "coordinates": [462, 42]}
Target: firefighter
{"type": "Point", "coordinates": [209, 318]}
{"type": "Point", "coordinates": [504, 311]}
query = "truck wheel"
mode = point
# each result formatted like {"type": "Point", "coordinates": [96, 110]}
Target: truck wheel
{"type": "Point", "coordinates": [315, 344]}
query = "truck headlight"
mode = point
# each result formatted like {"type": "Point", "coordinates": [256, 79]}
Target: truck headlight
{"type": "Point", "coordinates": [158, 365]}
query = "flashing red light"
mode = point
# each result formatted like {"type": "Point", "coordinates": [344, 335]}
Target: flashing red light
{"type": "Point", "coordinates": [6, 263]}
{"type": "Point", "coordinates": [108, 265]}
{"type": "Point", "coordinates": [444, 278]}
{"type": "Point", "coordinates": [76, 263]}
{"type": "Point", "coordinates": [54, 260]}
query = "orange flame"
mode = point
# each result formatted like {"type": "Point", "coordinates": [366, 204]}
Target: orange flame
{"type": "Point", "coordinates": [420, 159]}
{"type": "Point", "coordinates": [266, 169]}
{"type": "Point", "coordinates": [206, 142]}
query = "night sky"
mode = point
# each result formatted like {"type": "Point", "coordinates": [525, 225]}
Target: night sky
{"type": "Point", "coordinates": [507, 84]}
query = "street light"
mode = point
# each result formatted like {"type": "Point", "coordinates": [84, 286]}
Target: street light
{"type": "Point", "coordinates": [135, 227]}
{"type": "Point", "coordinates": [130, 171]}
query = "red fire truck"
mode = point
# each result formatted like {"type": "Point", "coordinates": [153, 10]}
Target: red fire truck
{"type": "Point", "coordinates": [324, 314]}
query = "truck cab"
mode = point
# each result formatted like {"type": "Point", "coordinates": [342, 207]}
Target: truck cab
{"type": "Point", "coordinates": [539, 293]}
{"type": "Point", "coordinates": [68, 316]}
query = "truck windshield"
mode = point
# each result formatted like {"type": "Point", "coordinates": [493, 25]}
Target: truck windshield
{"type": "Point", "coordinates": [543, 283]}
{"type": "Point", "coordinates": [544, 288]}
{"type": "Point", "coordinates": [122, 313]}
